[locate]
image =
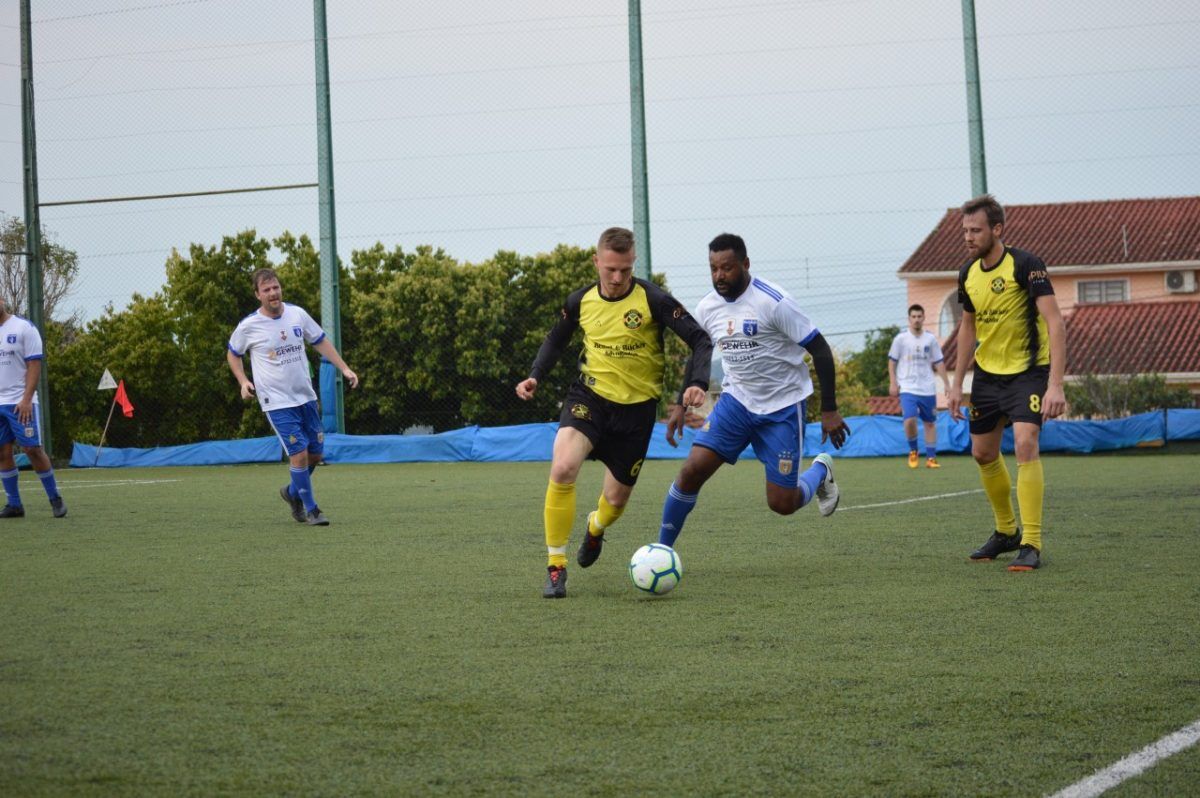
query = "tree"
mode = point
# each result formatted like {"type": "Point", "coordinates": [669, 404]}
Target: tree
{"type": "Point", "coordinates": [60, 266]}
{"type": "Point", "coordinates": [869, 364]}
{"type": "Point", "coordinates": [1123, 395]}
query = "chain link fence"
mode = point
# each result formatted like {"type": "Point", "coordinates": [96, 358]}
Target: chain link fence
{"type": "Point", "coordinates": [478, 153]}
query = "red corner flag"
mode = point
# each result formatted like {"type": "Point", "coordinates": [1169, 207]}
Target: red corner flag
{"type": "Point", "coordinates": [123, 400]}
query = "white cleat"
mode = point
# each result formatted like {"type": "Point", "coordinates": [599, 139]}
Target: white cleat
{"type": "Point", "coordinates": [828, 493]}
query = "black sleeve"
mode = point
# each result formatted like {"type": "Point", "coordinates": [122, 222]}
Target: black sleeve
{"type": "Point", "coordinates": [558, 337]}
{"type": "Point", "coordinates": [822, 357]}
{"type": "Point", "coordinates": [1031, 273]}
{"type": "Point", "coordinates": [964, 299]}
{"type": "Point", "coordinates": [667, 311]}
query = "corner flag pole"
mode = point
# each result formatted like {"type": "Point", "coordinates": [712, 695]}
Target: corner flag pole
{"type": "Point", "coordinates": [104, 434]}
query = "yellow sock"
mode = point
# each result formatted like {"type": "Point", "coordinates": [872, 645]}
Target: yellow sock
{"type": "Point", "coordinates": [606, 515]}
{"type": "Point", "coordinates": [998, 487]}
{"type": "Point", "coordinates": [1031, 485]}
{"type": "Point", "coordinates": [558, 516]}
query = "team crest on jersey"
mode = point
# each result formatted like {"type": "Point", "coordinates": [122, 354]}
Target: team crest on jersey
{"type": "Point", "coordinates": [750, 326]}
{"type": "Point", "coordinates": [729, 328]}
{"type": "Point", "coordinates": [12, 339]}
{"type": "Point", "coordinates": [785, 464]}
{"type": "Point", "coordinates": [633, 319]}
{"type": "Point", "coordinates": [283, 335]}
{"type": "Point", "coordinates": [998, 285]}
{"type": "Point", "coordinates": [581, 412]}
{"type": "Point", "coordinates": [296, 332]}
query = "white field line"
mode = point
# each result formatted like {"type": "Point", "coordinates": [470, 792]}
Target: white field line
{"type": "Point", "coordinates": [1103, 780]}
{"type": "Point", "coordinates": [111, 483]}
{"type": "Point", "coordinates": [909, 501]}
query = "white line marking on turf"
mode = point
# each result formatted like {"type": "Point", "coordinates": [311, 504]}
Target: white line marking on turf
{"type": "Point", "coordinates": [909, 501]}
{"type": "Point", "coordinates": [1103, 780]}
{"type": "Point", "coordinates": [117, 483]}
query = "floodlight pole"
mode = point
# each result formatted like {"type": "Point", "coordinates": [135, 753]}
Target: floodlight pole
{"type": "Point", "coordinates": [333, 417]}
{"type": "Point", "coordinates": [974, 102]}
{"type": "Point", "coordinates": [33, 222]}
{"type": "Point", "coordinates": [637, 113]}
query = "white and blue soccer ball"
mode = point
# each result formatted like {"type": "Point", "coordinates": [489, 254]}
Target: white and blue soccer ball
{"type": "Point", "coordinates": [656, 569]}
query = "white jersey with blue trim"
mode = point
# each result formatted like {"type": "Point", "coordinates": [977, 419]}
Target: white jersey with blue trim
{"type": "Point", "coordinates": [915, 356]}
{"type": "Point", "coordinates": [20, 342]}
{"type": "Point", "coordinates": [760, 337]}
{"type": "Point", "coordinates": [278, 366]}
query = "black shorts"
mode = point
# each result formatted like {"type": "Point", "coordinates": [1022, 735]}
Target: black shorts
{"type": "Point", "coordinates": [1014, 397]}
{"type": "Point", "coordinates": [620, 434]}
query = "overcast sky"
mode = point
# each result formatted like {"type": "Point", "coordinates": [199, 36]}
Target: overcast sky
{"type": "Point", "coordinates": [831, 134]}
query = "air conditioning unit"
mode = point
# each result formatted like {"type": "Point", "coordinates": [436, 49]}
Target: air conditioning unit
{"type": "Point", "coordinates": [1180, 282]}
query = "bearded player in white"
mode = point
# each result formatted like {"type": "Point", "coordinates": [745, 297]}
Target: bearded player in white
{"type": "Point", "coordinates": [762, 336]}
{"type": "Point", "coordinates": [20, 368]}
{"type": "Point", "coordinates": [274, 337]}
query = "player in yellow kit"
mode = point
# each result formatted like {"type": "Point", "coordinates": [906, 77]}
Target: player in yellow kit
{"type": "Point", "coordinates": [609, 412]}
{"type": "Point", "coordinates": [1009, 310]}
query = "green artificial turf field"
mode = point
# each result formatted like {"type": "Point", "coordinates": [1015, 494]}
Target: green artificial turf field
{"type": "Point", "coordinates": [179, 634]}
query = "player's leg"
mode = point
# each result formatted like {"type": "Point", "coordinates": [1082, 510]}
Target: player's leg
{"type": "Point", "coordinates": [700, 465]}
{"type": "Point", "coordinates": [778, 441]}
{"type": "Point", "coordinates": [30, 440]}
{"type": "Point", "coordinates": [928, 416]}
{"type": "Point", "coordinates": [987, 431]}
{"type": "Point", "coordinates": [314, 439]}
{"type": "Point", "coordinates": [908, 409]}
{"type": "Point", "coordinates": [289, 426]}
{"type": "Point", "coordinates": [571, 448]}
{"type": "Point", "coordinates": [1026, 412]}
{"type": "Point", "coordinates": [721, 440]}
{"type": "Point", "coordinates": [9, 475]}
{"type": "Point", "coordinates": [622, 448]}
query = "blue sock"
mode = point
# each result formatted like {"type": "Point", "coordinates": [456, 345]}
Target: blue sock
{"type": "Point", "coordinates": [47, 478]}
{"type": "Point", "coordinates": [675, 511]}
{"type": "Point", "coordinates": [931, 450]}
{"type": "Point", "coordinates": [9, 478]}
{"type": "Point", "coordinates": [810, 480]}
{"type": "Point", "coordinates": [912, 444]}
{"type": "Point", "coordinates": [302, 488]}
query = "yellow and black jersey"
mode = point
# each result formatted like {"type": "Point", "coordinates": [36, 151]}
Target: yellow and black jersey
{"type": "Point", "coordinates": [622, 358]}
{"type": "Point", "coordinates": [1010, 331]}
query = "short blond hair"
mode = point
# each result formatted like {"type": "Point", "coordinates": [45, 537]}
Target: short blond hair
{"type": "Point", "coordinates": [617, 239]}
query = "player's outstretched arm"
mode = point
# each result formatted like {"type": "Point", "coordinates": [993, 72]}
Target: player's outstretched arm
{"type": "Point", "coordinates": [526, 388]}
{"type": "Point", "coordinates": [833, 426]}
{"type": "Point", "coordinates": [327, 350]}
{"type": "Point", "coordinates": [239, 372]}
{"type": "Point", "coordinates": [965, 357]}
{"type": "Point", "coordinates": [1054, 403]}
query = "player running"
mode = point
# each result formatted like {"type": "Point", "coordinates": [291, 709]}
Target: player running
{"type": "Point", "coordinates": [609, 412]}
{"type": "Point", "coordinates": [762, 336]}
{"type": "Point", "coordinates": [274, 337]}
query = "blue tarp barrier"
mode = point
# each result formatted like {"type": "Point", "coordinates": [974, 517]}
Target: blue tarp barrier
{"type": "Point", "coordinates": [871, 436]}
{"type": "Point", "coordinates": [254, 450]}
{"type": "Point", "coordinates": [1183, 425]}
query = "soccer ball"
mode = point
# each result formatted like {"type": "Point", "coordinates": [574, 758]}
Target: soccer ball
{"type": "Point", "coordinates": [655, 568]}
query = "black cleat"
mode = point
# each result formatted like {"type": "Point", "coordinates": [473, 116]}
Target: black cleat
{"type": "Point", "coordinates": [296, 505]}
{"type": "Point", "coordinates": [59, 506]}
{"type": "Point", "coordinates": [556, 582]}
{"type": "Point", "coordinates": [1027, 559]}
{"type": "Point", "coordinates": [589, 549]}
{"type": "Point", "coordinates": [315, 517]}
{"type": "Point", "coordinates": [997, 544]}
{"type": "Point", "coordinates": [12, 512]}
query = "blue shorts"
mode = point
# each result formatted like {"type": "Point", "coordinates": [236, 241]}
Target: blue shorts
{"type": "Point", "coordinates": [924, 407]}
{"type": "Point", "coordinates": [777, 438]}
{"type": "Point", "coordinates": [11, 427]}
{"type": "Point", "coordinates": [298, 428]}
